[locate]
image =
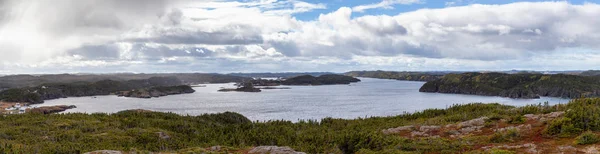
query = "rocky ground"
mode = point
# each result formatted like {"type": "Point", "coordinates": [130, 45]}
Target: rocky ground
{"type": "Point", "coordinates": [527, 138]}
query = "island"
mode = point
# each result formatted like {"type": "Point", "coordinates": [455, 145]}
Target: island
{"type": "Point", "coordinates": [256, 85]}
{"type": "Point", "coordinates": [327, 79]}
{"type": "Point", "coordinates": [242, 87]}
{"type": "Point", "coordinates": [526, 86]}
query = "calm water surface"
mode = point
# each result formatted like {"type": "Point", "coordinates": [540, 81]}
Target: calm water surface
{"type": "Point", "coordinates": [371, 97]}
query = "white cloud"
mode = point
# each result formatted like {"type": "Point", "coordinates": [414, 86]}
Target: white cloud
{"type": "Point", "coordinates": [264, 35]}
{"type": "Point", "coordinates": [386, 4]}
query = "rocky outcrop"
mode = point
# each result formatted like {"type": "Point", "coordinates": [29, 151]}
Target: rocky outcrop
{"type": "Point", "coordinates": [398, 129]}
{"type": "Point", "coordinates": [51, 109]}
{"type": "Point", "coordinates": [273, 150]}
{"type": "Point", "coordinates": [544, 117]}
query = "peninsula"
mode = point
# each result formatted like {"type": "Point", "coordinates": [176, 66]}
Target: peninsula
{"type": "Point", "coordinates": [516, 85]}
{"type": "Point", "coordinates": [142, 88]}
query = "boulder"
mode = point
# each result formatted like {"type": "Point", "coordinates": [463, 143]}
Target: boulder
{"type": "Point", "coordinates": [473, 122]}
{"type": "Point", "coordinates": [398, 129]}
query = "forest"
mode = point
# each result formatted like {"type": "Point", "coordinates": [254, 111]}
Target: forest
{"type": "Point", "coordinates": [525, 85]}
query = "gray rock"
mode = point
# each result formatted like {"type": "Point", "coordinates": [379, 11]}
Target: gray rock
{"type": "Point", "coordinates": [398, 129]}
{"type": "Point", "coordinates": [163, 135]}
{"type": "Point", "coordinates": [473, 122]}
{"type": "Point", "coordinates": [273, 150]}
{"type": "Point", "coordinates": [429, 128]}
{"type": "Point", "coordinates": [104, 152]}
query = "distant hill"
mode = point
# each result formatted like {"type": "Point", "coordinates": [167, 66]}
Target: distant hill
{"type": "Point", "coordinates": [278, 75]}
{"type": "Point", "coordinates": [409, 76]}
{"type": "Point", "coordinates": [19, 81]}
{"type": "Point", "coordinates": [590, 73]}
{"type": "Point", "coordinates": [516, 85]}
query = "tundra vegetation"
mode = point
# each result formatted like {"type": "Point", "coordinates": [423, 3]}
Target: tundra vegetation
{"type": "Point", "coordinates": [468, 128]}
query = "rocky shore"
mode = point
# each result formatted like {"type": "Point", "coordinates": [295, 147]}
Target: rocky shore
{"type": "Point", "coordinates": [51, 109]}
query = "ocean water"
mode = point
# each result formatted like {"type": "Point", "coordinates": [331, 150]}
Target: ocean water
{"type": "Point", "coordinates": [371, 97]}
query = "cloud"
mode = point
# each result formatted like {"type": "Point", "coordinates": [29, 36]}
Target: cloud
{"type": "Point", "coordinates": [266, 36]}
{"type": "Point", "coordinates": [231, 35]}
{"type": "Point", "coordinates": [386, 4]}
{"type": "Point", "coordinates": [36, 30]}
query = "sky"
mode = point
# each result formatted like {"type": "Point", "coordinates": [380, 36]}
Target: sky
{"type": "Point", "coordinates": [222, 36]}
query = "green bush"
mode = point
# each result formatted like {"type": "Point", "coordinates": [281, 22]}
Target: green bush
{"type": "Point", "coordinates": [563, 127]}
{"type": "Point", "coordinates": [518, 119]}
{"type": "Point", "coordinates": [509, 135]}
{"type": "Point", "coordinates": [585, 113]}
{"type": "Point", "coordinates": [587, 138]}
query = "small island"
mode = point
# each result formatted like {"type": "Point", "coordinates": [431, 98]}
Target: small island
{"type": "Point", "coordinates": [243, 87]}
{"type": "Point", "coordinates": [304, 80]}
{"type": "Point", "coordinates": [327, 79]}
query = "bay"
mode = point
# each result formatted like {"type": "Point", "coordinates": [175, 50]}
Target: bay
{"type": "Point", "coordinates": [371, 97]}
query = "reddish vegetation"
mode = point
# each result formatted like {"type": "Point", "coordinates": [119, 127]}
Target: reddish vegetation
{"type": "Point", "coordinates": [530, 137]}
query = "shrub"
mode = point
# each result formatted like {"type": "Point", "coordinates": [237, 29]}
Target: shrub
{"type": "Point", "coordinates": [587, 138]}
{"type": "Point", "coordinates": [518, 119]}
{"type": "Point", "coordinates": [563, 127]}
{"type": "Point", "coordinates": [506, 136]}
{"type": "Point", "coordinates": [499, 151]}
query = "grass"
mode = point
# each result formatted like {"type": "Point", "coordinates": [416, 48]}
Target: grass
{"type": "Point", "coordinates": [138, 130]}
